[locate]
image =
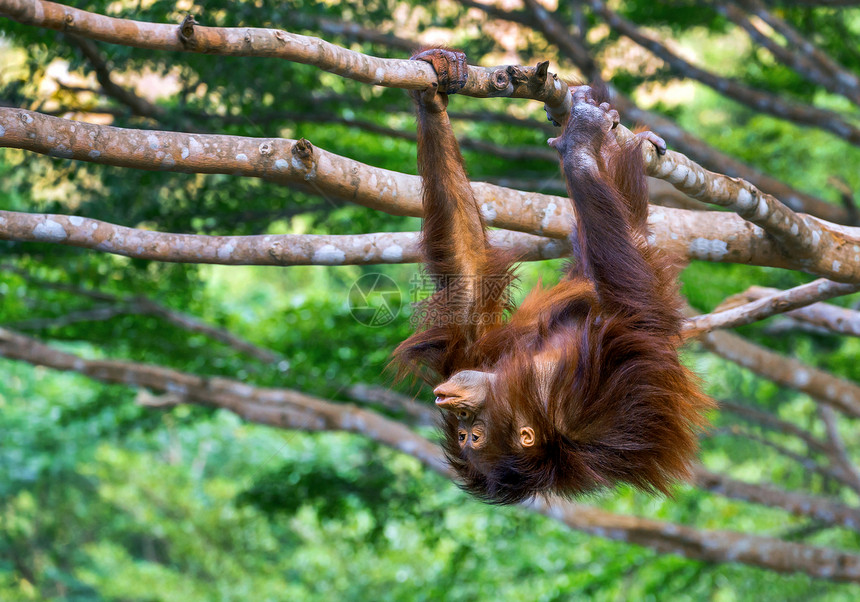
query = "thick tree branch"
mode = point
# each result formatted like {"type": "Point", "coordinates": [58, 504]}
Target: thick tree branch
{"type": "Point", "coordinates": [287, 162]}
{"type": "Point", "coordinates": [284, 408]}
{"type": "Point", "coordinates": [803, 237]}
{"type": "Point", "coordinates": [510, 153]}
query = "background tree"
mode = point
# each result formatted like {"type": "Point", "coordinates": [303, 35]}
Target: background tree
{"type": "Point", "coordinates": [174, 497]}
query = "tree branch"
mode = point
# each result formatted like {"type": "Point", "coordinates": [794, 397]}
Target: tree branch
{"type": "Point", "coordinates": [274, 249]}
{"type": "Point", "coordinates": [767, 306]}
{"type": "Point", "coordinates": [756, 99]}
{"type": "Point", "coordinates": [354, 31]}
{"type": "Point", "coordinates": [419, 414]}
{"type": "Point", "coordinates": [799, 43]}
{"type": "Point", "coordinates": [799, 504]}
{"type": "Point", "coordinates": [775, 423]}
{"type": "Point", "coordinates": [96, 314]}
{"type": "Point", "coordinates": [483, 82]}
{"type": "Point", "coordinates": [136, 305]}
{"type": "Point", "coordinates": [711, 546]}
{"type": "Point", "coordinates": [138, 105]}
{"type": "Point", "coordinates": [833, 318]}
{"type": "Point", "coordinates": [794, 58]}
{"type": "Point", "coordinates": [514, 81]}
{"type": "Point", "coordinates": [699, 150]}
{"type": "Point", "coordinates": [827, 471]}
{"type": "Point", "coordinates": [838, 453]}
{"type": "Point", "coordinates": [841, 394]}
{"type": "Point", "coordinates": [802, 236]}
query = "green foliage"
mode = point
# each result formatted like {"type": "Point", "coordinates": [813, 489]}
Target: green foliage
{"type": "Point", "coordinates": [101, 499]}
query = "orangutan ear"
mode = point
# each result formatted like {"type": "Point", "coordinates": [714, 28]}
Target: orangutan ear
{"type": "Point", "coordinates": [527, 436]}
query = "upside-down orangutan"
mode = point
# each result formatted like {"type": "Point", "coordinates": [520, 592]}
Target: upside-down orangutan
{"type": "Point", "coordinates": [581, 386]}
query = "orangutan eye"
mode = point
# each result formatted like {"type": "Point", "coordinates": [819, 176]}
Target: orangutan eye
{"type": "Point", "coordinates": [475, 437]}
{"type": "Point", "coordinates": [462, 437]}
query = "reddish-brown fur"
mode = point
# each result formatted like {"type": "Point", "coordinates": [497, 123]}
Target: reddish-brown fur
{"type": "Point", "coordinates": [621, 407]}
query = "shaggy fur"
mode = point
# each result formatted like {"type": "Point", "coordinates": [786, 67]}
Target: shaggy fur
{"type": "Point", "coordinates": [615, 403]}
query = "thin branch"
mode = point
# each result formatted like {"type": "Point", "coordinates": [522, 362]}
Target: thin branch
{"type": "Point", "coordinates": [551, 26]}
{"type": "Point", "coordinates": [284, 408]}
{"type": "Point", "coordinates": [768, 420]}
{"type": "Point", "coordinates": [765, 307]}
{"type": "Point", "coordinates": [144, 306]}
{"type": "Point", "coordinates": [97, 314]}
{"type": "Point", "coordinates": [783, 325]}
{"type": "Point", "coordinates": [269, 249]}
{"type": "Point", "coordinates": [800, 43]}
{"type": "Point", "coordinates": [354, 31]}
{"type": "Point", "coordinates": [419, 414]}
{"type": "Point", "coordinates": [799, 504]}
{"type": "Point", "coordinates": [59, 286]}
{"type": "Point", "coordinates": [846, 195]}
{"type": "Point", "coordinates": [136, 305]}
{"type": "Point", "coordinates": [137, 104]}
{"type": "Point", "coordinates": [838, 452]}
{"type": "Point", "coordinates": [833, 3]}
{"type": "Point", "coordinates": [828, 471]}
{"type": "Point", "coordinates": [799, 61]}
{"type": "Point", "coordinates": [756, 99]}
{"type": "Point", "coordinates": [832, 318]}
